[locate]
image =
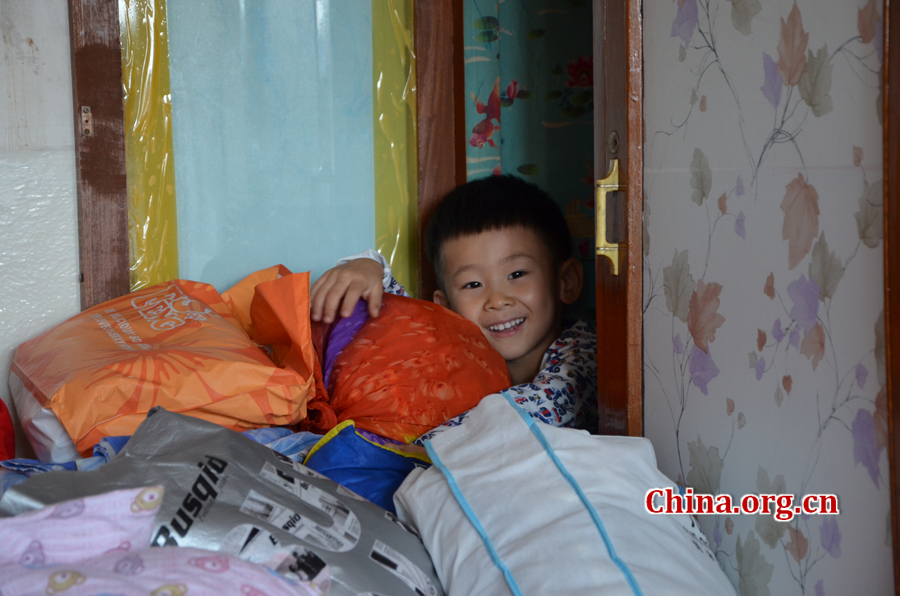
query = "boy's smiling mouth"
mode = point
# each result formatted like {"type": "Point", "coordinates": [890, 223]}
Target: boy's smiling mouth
{"type": "Point", "coordinates": [507, 328]}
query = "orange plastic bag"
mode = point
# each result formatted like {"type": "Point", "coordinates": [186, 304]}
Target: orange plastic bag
{"type": "Point", "coordinates": [413, 368]}
{"type": "Point", "coordinates": [177, 345]}
{"type": "Point", "coordinates": [239, 297]}
{"type": "Point", "coordinates": [280, 315]}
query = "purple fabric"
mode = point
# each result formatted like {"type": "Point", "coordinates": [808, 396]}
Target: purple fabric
{"type": "Point", "coordinates": [377, 439]}
{"type": "Point", "coordinates": [339, 335]}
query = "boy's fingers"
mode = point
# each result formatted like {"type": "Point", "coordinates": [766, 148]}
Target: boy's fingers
{"type": "Point", "coordinates": [338, 290]}
{"type": "Point", "coordinates": [351, 297]}
{"type": "Point", "coordinates": [318, 283]}
{"type": "Point", "coordinates": [317, 295]}
{"type": "Point", "coordinates": [374, 299]}
{"type": "Point", "coordinates": [333, 299]}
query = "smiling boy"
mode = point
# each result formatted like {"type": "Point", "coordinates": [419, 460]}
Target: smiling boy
{"type": "Point", "coordinates": [501, 251]}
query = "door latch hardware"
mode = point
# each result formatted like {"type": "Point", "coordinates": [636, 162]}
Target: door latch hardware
{"type": "Point", "coordinates": [609, 184]}
{"type": "Point", "coordinates": [87, 122]}
{"type": "Point", "coordinates": [613, 143]}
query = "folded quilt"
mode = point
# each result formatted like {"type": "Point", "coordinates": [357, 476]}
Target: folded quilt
{"type": "Point", "coordinates": [513, 506]}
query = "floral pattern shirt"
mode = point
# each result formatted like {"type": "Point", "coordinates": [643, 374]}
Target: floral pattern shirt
{"type": "Point", "coordinates": [564, 392]}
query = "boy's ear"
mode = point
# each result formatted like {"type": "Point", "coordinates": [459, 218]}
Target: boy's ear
{"type": "Point", "coordinates": [440, 298]}
{"type": "Point", "coordinates": [571, 280]}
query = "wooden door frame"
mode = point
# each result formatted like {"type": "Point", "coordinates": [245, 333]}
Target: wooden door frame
{"type": "Point", "coordinates": [98, 109]}
{"type": "Point", "coordinates": [891, 71]}
{"type": "Point", "coordinates": [100, 157]}
{"type": "Point", "coordinates": [618, 110]}
{"type": "Point", "coordinates": [440, 115]}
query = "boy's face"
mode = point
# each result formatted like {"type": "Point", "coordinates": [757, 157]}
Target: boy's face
{"type": "Point", "coordinates": [505, 282]}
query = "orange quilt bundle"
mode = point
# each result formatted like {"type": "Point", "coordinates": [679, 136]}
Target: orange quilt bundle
{"type": "Point", "coordinates": [177, 345]}
{"type": "Point", "coordinates": [413, 368]}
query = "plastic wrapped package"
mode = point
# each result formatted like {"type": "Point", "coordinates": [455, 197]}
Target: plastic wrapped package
{"type": "Point", "coordinates": [411, 369]}
{"type": "Point", "coordinates": [176, 344]}
{"type": "Point", "coordinates": [225, 492]}
{"type": "Point", "coordinates": [152, 220]}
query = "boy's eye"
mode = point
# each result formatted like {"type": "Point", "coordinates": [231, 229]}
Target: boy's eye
{"type": "Point", "coordinates": [516, 274]}
{"type": "Point", "coordinates": [472, 285]}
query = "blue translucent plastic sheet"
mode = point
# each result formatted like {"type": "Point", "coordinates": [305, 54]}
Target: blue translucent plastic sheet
{"type": "Point", "coordinates": [273, 134]}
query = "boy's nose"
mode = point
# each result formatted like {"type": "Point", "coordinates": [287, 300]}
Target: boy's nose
{"type": "Point", "coordinates": [498, 300]}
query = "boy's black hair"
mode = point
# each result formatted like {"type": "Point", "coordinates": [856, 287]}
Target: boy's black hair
{"type": "Point", "coordinates": [496, 203]}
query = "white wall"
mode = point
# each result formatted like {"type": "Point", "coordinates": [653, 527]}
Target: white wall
{"type": "Point", "coordinates": [38, 219]}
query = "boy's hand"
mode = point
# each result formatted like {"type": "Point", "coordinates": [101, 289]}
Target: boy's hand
{"type": "Point", "coordinates": [343, 286]}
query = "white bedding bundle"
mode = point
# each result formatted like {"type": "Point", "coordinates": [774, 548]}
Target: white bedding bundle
{"type": "Point", "coordinates": [499, 516]}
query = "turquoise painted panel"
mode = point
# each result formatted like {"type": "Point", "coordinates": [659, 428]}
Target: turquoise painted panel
{"type": "Point", "coordinates": [482, 72]}
{"type": "Point", "coordinates": [272, 118]}
{"type": "Point", "coordinates": [529, 63]}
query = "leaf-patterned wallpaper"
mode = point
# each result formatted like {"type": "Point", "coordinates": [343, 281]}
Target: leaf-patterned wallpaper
{"type": "Point", "coordinates": [764, 366]}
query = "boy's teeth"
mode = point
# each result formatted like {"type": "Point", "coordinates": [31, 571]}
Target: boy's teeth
{"type": "Point", "coordinates": [506, 326]}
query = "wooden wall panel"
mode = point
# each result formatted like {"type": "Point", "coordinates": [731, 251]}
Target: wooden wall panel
{"type": "Point", "coordinates": [634, 146]}
{"type": "Point", "coordinates": [440, 78]}
{"type": "Point", "coordinates": [618, 113]}
{"type": "Point", "coordinates": [99, 154]}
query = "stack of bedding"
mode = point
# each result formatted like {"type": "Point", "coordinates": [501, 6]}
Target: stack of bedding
{"type": "Point", "coordinates": [274, 444]}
